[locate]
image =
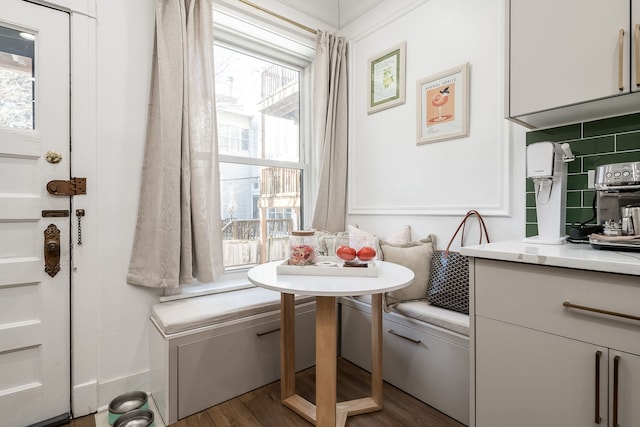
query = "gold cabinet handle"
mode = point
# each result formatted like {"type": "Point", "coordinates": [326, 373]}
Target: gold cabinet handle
{"type": "Point", "coordinates": [636, 36]}
{"type": "Point", "coordinates": [568, 304]}
{"type": "Point", "coordinates": [620, 58]}
{"type": "Point", "coordinates": [598, 418]}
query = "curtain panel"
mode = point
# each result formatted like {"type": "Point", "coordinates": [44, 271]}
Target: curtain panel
{"type": "Point", "coordinates": [178, 234]}
{"type": "Point", "coordinates": [330, 118]}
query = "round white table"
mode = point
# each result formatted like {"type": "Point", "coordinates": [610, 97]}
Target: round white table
{"type": "Point", "coordinates": [327, 412]}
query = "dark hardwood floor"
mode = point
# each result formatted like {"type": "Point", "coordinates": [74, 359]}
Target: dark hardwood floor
{"type": "Point", "coordinates": [262, 407]}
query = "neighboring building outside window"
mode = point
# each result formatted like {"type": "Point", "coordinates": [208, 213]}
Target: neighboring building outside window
{"type": "Point", "coordinates": [258, 113]}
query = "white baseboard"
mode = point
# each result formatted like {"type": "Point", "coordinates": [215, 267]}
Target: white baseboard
{"type": "Point", "coordinates": [84, 399]}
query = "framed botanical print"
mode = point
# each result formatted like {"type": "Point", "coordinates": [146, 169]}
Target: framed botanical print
{"type": "Point", "coordinates": [386, 79]}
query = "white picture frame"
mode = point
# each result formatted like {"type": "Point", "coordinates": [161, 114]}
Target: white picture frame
{"type": "Point", "coordinates": [386, 79]}
{"type": "Point", "coordinates": [443, 105]}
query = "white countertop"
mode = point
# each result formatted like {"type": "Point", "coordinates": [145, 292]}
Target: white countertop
{"type": "Point", "coordinates": [569, 255]}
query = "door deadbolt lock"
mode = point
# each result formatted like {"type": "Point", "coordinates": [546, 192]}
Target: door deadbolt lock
{"type": "Point", "coordinates": [72, 187]}
{"type": "Point", "coordinates": [52, 250]}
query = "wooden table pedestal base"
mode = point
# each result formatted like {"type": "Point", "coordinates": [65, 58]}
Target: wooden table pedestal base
{"type": "Point", "coordinates": [327, 412]}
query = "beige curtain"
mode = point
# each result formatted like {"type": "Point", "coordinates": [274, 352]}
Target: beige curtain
{"type": "Point", "coordinates": [330, 118]}
{"type": "Point", "coordinates": [178, 233]}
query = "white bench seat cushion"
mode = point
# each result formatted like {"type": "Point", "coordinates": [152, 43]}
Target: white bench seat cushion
{"type": "Point", "coordinates": [182, 315]}
{"type": "Point", "coordinates": [426, 312]}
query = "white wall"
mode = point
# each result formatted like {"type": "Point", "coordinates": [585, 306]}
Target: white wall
{"type": "Point", "coordinates": [383, 147]}
{"type": "Point", "coordinates": [124, 51]}
{"type": "Point", "coordinates": [392, 180]}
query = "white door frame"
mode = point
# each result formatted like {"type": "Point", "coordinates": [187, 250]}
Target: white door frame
{"type": "Point", "coordinates": [84, 287]}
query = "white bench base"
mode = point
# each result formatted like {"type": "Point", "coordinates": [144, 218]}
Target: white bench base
{"type": "Point", "coordinates": [427, 361]}
{"type": "Point", "coordinates": [194, 369]}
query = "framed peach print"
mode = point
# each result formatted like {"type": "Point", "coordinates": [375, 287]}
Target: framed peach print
{"type": "Point", "coordinates": [443, 105]}
{"type": "Point", "coordinates": [386, 79]}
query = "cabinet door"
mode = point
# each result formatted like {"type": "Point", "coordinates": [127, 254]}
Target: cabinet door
{"type": "Point", "coordinates": [566, 52]}
{"type": "Point", "coordinates": [627, 410]}
{"type": "Point", "coordinates": [528, 378]}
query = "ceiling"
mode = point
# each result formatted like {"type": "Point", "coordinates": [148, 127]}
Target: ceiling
{"type": "Point", "coordinates": [336, 13]}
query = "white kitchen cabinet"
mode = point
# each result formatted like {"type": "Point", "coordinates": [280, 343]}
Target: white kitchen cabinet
{"type": "Point", "coordinates": [572, 59]}
{"type": "Point", "coordinates": [530, 378]}
{"type": "Point", "coordinates": [538, 362]}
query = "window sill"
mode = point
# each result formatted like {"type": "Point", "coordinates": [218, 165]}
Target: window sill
{"type": "Point", "coordinates": [227, 283]}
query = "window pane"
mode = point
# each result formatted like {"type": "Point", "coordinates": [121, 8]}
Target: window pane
{"type": "Point", "coordinates": [258, 107]}
{"type": "Point", "coordinates": [16, 79]}
{"type": "Point", "coordinates": [260, 207]}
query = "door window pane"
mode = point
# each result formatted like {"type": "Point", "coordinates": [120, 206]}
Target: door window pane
{"type": "Point", "coordinates": [17, 80]}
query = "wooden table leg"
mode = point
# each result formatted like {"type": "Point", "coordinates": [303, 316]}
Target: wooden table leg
{"type": "Point", "coordinates": [287, 346]}
{"type": "Point", "coordinates": [326, 413]}
{"type": "Point", "coordinates": [326, 363]}
{"type": "Point", "coordinates": [376, 348]}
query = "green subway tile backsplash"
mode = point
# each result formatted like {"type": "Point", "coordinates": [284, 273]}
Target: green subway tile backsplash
{"type": "Point", "coordinates": [579, 215]}
{"type": "Point", "coordinates": [563, 133]}
{"type": "Point", "coordinates": [612, 125]}
{"type": "Point", "coordinates": [600, 142]}
{"type": "Point", "coordinates": [628, 141]}
{"type": "Point", "coordinates": [604, 159]}
{"type": "Point", "coordinates": [577, 181]}
{"type": "Point", "coordinates": [588, 197]}
{"type": "Point", "coordinates": [574, 199]}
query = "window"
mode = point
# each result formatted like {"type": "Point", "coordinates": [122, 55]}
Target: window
{"type": "Point", "coordinates": [16, 79]}
{"type": "Point", "coordinates": [261, 169]}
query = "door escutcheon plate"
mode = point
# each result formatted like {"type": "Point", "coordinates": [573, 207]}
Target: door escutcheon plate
{"type": "Point", "coordinates": [52, 250]}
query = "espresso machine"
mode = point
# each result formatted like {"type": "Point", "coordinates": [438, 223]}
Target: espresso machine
{"type": "Point", "coordinates": [618, 205]}
{"type": "Point", "coordinates": [547, 168]}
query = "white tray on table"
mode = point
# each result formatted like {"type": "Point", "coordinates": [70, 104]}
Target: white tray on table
{"type": "Point", "coordinates": [328, 266]}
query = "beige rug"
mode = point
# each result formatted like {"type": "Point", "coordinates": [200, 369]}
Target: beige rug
{"type": "Point", "coordinates": [102, 417]}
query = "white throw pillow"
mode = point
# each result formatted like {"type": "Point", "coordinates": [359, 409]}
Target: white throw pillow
{"type": "Point", "coordinates": [401, 237]}
{"type": "Point", "coordinates": [359, 238]}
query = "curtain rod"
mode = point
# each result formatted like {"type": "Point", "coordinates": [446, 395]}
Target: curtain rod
{"type": "Point", "coordinates": [284, 18]}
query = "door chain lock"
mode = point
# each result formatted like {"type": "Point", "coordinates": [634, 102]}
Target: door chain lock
{"type": "Point", "coordinates": [79, 214]}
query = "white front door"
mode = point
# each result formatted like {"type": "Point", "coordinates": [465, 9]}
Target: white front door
{"type": "Point", "coordinates": [34, 305]}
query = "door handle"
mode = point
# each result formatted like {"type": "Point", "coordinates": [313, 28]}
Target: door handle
{"type": "Point", "coordinates": [52, 250]}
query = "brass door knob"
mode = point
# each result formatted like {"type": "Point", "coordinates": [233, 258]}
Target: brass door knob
{"type": "Point", "coordinates": [53, 156]}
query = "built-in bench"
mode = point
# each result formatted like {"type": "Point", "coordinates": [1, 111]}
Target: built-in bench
{"type": "Point", "coordinates": [425, 350]}
{"type": "Point", "coordinates": [209, 349]}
